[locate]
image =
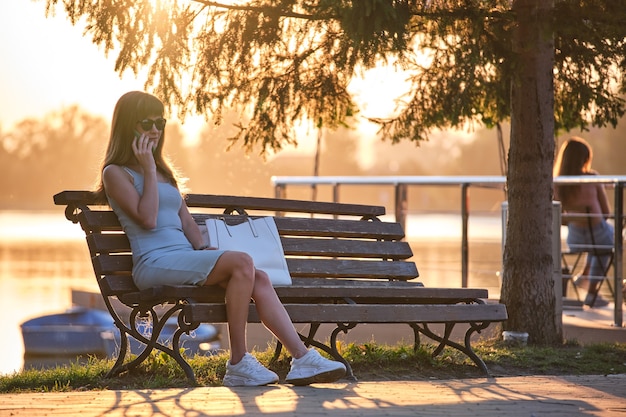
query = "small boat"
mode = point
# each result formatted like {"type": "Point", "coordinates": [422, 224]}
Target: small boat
{"type": "Point", "coordinates": [74, 332]}
{"type": "Point", "coordinates": [78, 333]}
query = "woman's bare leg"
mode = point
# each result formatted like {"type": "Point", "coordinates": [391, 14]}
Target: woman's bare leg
{"type": "Point", "coordinates": [235, 272]}
{"type": "Point", "coordinates": [274, 316]}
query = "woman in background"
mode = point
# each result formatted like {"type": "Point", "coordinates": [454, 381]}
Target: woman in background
{"type": "Point", "coordinates": [168, 248]}
{"type": "Point", "coordinates": [585, 210]}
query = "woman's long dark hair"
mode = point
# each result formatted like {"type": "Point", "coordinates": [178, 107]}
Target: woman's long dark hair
{"type": "Point", "coordinates": [574, 158]}
{"type": "Point", "coordinates": [130, 108]}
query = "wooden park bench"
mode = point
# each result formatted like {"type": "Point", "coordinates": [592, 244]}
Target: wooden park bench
{"type": "Point", "coordinates": [348, 267]}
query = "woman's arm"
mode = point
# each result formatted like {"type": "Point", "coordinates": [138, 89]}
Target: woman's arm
{"type": "Point", "coordinates": [119, 186]}
{"type": "Point", "coordinates": [144, 208]}
{"type": "Point", "coordinates": [603, 200]}
{"type": "Point", "coordinates": [190, 227]}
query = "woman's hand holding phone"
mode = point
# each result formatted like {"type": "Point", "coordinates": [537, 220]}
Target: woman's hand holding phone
{"type": "Point", "coordinates": [143, 148]}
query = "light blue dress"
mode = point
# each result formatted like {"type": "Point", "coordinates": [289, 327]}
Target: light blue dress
{"type": "Point", "coordinates": [164, 255]}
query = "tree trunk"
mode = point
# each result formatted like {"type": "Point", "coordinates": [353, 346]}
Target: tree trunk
{"type": "Point", "coordinates": [528, 286]}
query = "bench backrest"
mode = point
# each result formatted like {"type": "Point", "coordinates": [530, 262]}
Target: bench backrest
{"type": "Point", "coordinates": [342, 241]}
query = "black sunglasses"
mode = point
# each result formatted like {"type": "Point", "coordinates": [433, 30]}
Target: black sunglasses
{"type": "Point", "coordinates": [146, 124]}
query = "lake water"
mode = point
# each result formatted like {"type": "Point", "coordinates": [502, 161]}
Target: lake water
{"type": "Point", "coordinates": [43, 257]}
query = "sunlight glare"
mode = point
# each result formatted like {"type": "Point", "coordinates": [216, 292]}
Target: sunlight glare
{"type": "Point", "coordinates": [22, 225]}
{"type": "Point", "coordinates": [43, 73]}
{"type": "Point", "coordinates": [378, 90]}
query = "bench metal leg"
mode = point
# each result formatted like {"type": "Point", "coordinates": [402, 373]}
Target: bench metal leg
{"type": "Point", "coordinates": [343, 327]}
{"type": "Point", "coordinates": [151, 343]}
{"type": "Point", "coordinates": [331, 349]}
{"type": "Point", "coordinates": [116, 369]}
{"type": "Point", "coordinates": [277, 350]}
{"type": "Point", "coordinates": [416, 337]}
{"type": "Point", "coordinates": [445, 341]}
{"type": "Point", "coordinates": [118, 365]}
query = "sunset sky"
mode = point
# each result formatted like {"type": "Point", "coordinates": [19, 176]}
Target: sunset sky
{"type": "Point", "coordinates": [48, 64]}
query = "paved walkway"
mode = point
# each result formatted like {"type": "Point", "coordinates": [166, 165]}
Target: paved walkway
{"type": "Point", "coordinates": [532, 396]}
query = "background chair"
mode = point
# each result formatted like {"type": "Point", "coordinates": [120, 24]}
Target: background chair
{"type": "Point", "coordinates": [604, 255]}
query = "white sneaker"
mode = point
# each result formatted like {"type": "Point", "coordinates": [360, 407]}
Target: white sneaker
{"type": "Point", "coordinates": [248, 373]}
{"type": "Point", "coordinates": [312, 368]}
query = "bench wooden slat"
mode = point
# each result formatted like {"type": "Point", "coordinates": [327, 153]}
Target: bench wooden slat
{"type": "Point", "coordinates": [75, 198]}
{"type": "Point", "coordinates": [349, 268]}
{"type": "Point", "coordinates": [99, 220]}
{"type": "Point", "coordinates": [118, 243]}
{"type": "Point", "coordinates": [303, 291]}
{"type": "Point", "coordinates": [105, 264]}
{"type": "Point", "coordinates": [362, 313]}
{"type": "Point", "coordinates": [88, 198]}
{"type": "Point", "coordinates": [355, 289]}
{"type": "Point", "coordinates": [315, 268]}
{"type": "Point", "coordinates": [436, 313]}
{"type": "Point", "coordinates": [299, 226]}
{"type": "Point", "coordinates": [106, 220]}
{"type": "Point", "coordinates": [116, 285]}
{"type": "Point", "coordinates": [282, 205]}
{"type": "Point", "coordinates": [108, 243]}
{"type": "Point", "coordinates": [339, 228]}
{"type": "Point", "coordinates": [289, 226]}
{"type": "Point", "coordinates": [307, 289]}
{"type": "Point", "coordinates": [346, 248]}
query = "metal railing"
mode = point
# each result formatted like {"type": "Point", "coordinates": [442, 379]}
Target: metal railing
{"type": "Point", "coordinates": [401, 184]}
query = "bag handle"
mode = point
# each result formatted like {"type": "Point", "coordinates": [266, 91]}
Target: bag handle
{"type": "Point", "coordinates": [250, 223]}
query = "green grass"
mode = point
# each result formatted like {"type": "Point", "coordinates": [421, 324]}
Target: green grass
{"type": "Point", "coordinates": [370, 362]}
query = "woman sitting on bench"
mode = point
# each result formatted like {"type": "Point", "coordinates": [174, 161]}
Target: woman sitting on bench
{"type": "Point", "coordinates": [585, 209]}
{"type": "Point", "coordinates": [168, 248]}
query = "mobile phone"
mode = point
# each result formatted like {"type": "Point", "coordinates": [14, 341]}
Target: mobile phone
{"type": "Point", "coordinates": [138, 135]}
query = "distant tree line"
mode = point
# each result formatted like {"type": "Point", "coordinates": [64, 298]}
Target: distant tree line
{"type": "Point", "coordinates": [62, 150]}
